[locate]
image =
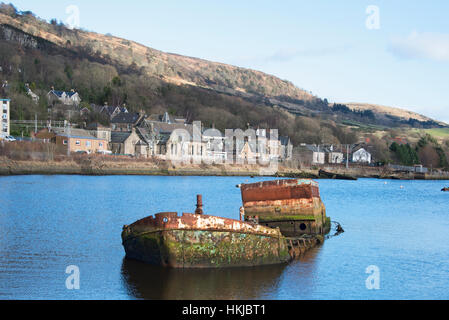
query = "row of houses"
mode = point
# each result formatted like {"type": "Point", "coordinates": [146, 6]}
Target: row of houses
{"type": "Point", "coordinates": [136, 134]}
{"type": "Point", "coordinates": [166, 137]}
{"type": "Point", "coordinates": [331, 154]}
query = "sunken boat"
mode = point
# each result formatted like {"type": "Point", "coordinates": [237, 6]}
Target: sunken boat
{"type": "Point", "coordinates": [203, 241]}
{"type": "Point", "coordinates": [196, 240]}
{"type": "Point", "coordinates": [293, 206]}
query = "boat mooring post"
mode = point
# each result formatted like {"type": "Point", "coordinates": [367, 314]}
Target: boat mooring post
{"type": "Point", "coordinates": [199, 204]}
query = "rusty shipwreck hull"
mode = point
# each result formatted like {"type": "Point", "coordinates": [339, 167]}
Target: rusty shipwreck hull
{"type": "Point", "coordinates": [202, 241]}
{"type": "Point", "coordinates": [293, 206]}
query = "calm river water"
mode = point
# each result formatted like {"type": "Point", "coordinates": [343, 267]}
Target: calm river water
{"type": "Point", "coordinates": [51, 222]}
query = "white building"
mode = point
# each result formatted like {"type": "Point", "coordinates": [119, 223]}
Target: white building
{"type": "Point", "coordinates": [5, 112]}
{"type": "Point", "coordinates": [71, 98]}
{"type": "Point", "coordinates": [361, 156]}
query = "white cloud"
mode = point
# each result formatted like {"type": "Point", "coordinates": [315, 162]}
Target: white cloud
{"type": "Point", "coordinates": [286, 55]}
{"type": "Point", "coordinates": [425, 45]}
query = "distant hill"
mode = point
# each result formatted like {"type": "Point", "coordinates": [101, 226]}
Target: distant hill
{"type": "Point", "coordinates": [390, 112]}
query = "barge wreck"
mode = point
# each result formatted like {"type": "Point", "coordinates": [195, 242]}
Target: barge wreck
{"type": "Point", "coordinates": [293, 206]}
{"type": "Point", "coordinates": [196, 240]}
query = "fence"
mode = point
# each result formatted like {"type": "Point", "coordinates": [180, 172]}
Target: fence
{"type": "Point", "coordinates": [417, 169]}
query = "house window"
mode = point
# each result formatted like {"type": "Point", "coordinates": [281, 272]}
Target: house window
{"type": "Point", "coordinates": [101, 144]}
{"type": "Point", "coordinates": [78, 143]}
{"type": "Point", "coordinates": [88, 144]}
{"type": "Point", "coordinates": [64, 142]}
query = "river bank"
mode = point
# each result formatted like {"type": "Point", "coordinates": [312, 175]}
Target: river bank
{"type": "Point", "coordinates": [104, 167]}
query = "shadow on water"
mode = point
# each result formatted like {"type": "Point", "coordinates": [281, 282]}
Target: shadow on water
{"type": "Point", "coordinates": [149, 282]}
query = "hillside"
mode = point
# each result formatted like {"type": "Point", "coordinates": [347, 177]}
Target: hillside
{"type": "Point", "coordinates": [390, 112]}
{"type": "Point", "coordinates": [128, 56]}
{"type": "Point", "coordinates": [172, 68]}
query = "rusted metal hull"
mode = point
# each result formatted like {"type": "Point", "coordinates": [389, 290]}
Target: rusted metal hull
{"type": "Point", "coordinates": [201, 241]}
{"type": "Point", "coordinates": [293, 206]}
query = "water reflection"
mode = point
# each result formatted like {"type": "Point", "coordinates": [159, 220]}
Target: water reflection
{"type": "Point", "coordinates": [144, 281]}
{"type": "Point", "coordinates": [149, 282]}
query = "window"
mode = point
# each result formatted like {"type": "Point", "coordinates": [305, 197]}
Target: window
{"type": "Point", "coordinates": [78, 143]}
{"type": "Point", "coordinates": [88, 144]}
{"type": "Point", "coordinates": [65, 142]}
{"type": "Point", "coordinates": [101, 144]}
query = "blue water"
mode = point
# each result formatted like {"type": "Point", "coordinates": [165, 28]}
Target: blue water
{"type": "Point", "coordinates": [50, 222]}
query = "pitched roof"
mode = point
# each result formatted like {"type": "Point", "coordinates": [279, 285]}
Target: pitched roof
{"type": "Point", "coordinates": [79, 137]}
{"type": "Point", "coordinates": [167, 128]}
{"type": "Point", "coordinates": [96, 126]}
{"type": "Point", "coordinates": [314, 148]}
{"type": "Point", "coordinates": [73, 132]}
{"type": "Point", "coordinates": [60, 93]}
{"type": "Point", "coordinates": [126, 118]}
{"type": "Point", "coordinates": [119, 137]}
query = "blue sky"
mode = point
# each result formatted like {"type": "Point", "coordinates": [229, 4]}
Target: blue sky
{"type": "Point", "coordinates": [322, 46]}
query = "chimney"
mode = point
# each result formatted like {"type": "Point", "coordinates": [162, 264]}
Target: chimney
{"type": "Point", "coordinates": [199, 205]}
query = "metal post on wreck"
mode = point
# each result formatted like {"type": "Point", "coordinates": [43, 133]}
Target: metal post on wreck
{"type": "Point", "coordinates": [199, 204]}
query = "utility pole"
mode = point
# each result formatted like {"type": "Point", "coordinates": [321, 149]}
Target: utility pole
{"type": "Point", "coordinates": [35, 123]}
{"type": "Point", "coordinates": [347, 156]}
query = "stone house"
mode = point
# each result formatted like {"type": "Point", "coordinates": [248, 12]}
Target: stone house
{"type": "Point", "coordinates": [111, 112]}
{"type": "Point", "coordinates": [124, 143]}
{"type": "Point", "coordinates": [169, 141]}
{"type": "Point", "coordinates": [68, 98]}
{"type": "Point", "coordinates": [308, 155]}
{"type": "Point", "coordinates": [247, 152]}
{"type": "Point", "coordinates": [124, 122]}
{"type": "Point", "coordinates": [99, 131]}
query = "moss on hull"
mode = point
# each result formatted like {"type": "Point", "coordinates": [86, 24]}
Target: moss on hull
{"type": "Point", "coordinates": [206, 249]}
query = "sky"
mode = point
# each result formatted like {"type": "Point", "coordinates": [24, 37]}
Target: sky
{"type": "Point", "coordinates": [393, 53]}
